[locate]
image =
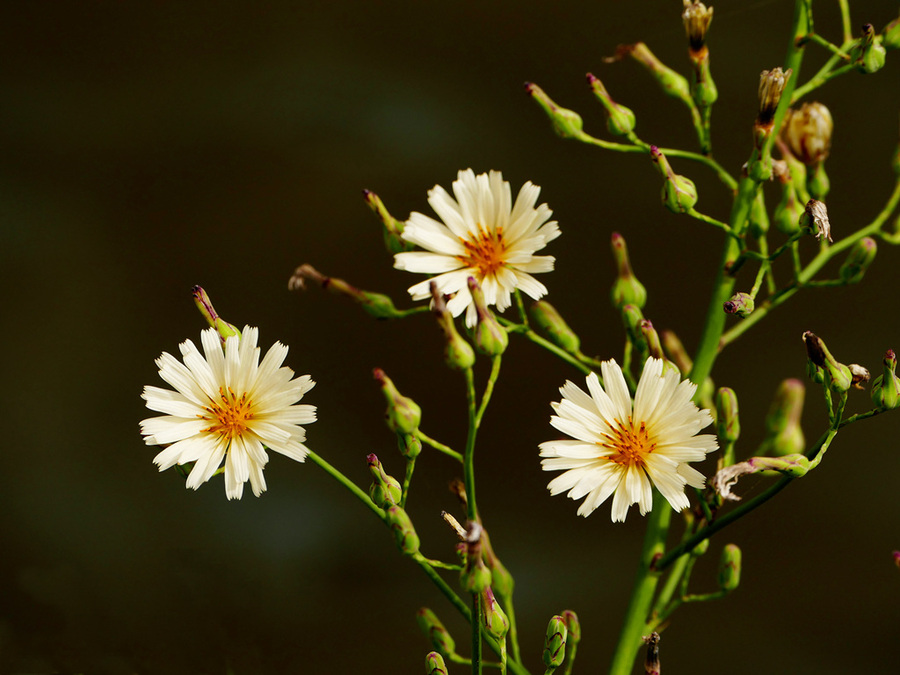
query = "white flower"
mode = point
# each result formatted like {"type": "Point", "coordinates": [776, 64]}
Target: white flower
{"type": "Point", "coordinates": [483, 236]}
{"type": "Point", "coordinates": [227, 406]}
{"type": "Point", "coordinates": [628, 449]}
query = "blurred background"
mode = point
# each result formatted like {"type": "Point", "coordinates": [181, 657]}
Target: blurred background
{"type": "Point", "coordinates": [150, 147]}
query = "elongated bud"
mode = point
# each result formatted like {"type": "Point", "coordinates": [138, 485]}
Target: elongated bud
{"type": "Point", "coordinates": [730, 568]}
{"type": "Point", "coordinates": [890, 35]}
{"type": "Point", "coordinates": [626, 290]}
{"type": "Point", "coordinates": [632, 318]}
{"type": "Point", "coordinates": [870, 53]}
{"type": "Point", "coordinates": [574, 626]}
{"type": "Point", "coordinates": [437, 634]}
{"type": "Point", "coordinates": [815, 220]}
{"type": "Point", "coordinates": [475, 576]}
{"type": "Point", "coordinates": [493, 617]}
{"type": "Point", "coordinates": [784, 435]}
{"type": "Point", "coordinates": [741, 304]}
{"type": "Point", "coordinates": [651, 659]}
{"type": "Point", "coordinates": [620, 121]}
{"type": "Point", "coordinates": [696, 18]}
{"type": "Point", "coordinates": [858, 260]}
{"type": "Point", "coordinates": [886, 388]}
{"type": "Point", "coordinates": [204, 304]}
{"type": "Point", "coordinates": [434, 664]}
{"type": "Point", "coordinates": [654, 347]}
{"type": "Point", "coordinates": [676, 351]}
{"type": "Point", "coordinates": [392, 228]}
{"type": "Point", "coordinates": [458, 354]}
{"type": "Point", "coordinates": [501, 580]}
{"type": "Point", "coordinates": [490, 337]}
{"type": "Point", "coordinates": [409, 444]}
{"type": "Point", "coordinates": [566, 123]}
{"type": "Point", "coordinates": [771, 85]}
{"type": "Point", "coordinates": [375, 304]}
{"type": "Point", "coordinates": [402, 527]}
{"type": "Point", "coordinates": [673, 83]}
{"type": "Point", "coordinates": [554, 326]}
{"type": "Point", "coordinates": [555, 642]}
{"type": "Point", "coordinates": [817, 181]}
{"type": "Point", "coordinates": [403, 415]}
{"type": "Point", "coordinates": [759, 219]}
{"type": "Point", "coordinates": [837, 375]}
{"type": "Point", "coordinates": [679, 194]}
{"type": "Point", "coordinates": [807, 132]}
{"type": "Point", "coordinates": [700, 549]}
{"type": "Point", "coordinates": [790, 209]}
{"type": "Point", "coordinates": [385, 490]}
{"type": "Point", "coordinates": [728, 424]}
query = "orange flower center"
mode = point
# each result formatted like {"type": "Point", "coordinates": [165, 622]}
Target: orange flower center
{"type": "Point", "coordinates": [229, 415]}
{"type": "Point", "coordinates": [630, 446]}
{"type": "Point", "coordinates": [486, 252]}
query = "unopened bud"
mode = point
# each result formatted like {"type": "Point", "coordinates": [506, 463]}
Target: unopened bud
{"type": "Point", "coordinates": [679, 194]}
{"type": "Point", "coordinates": [493, 617]}
{"type": "Point", "coordinates": [870, 53]}
{"type": "Point", "coordinates": [700, 549]}
{"type": "Point", "coordinates": [403, 415]}
{"type": "Point", "coordinates": [434, 664]}
{"type": "Point", "coordinates": [375, 304]}
{"type": "Point", "coordinates": [409, 445]}
{"type": "Point", "coordinates": [815, 220]}
{"type": "Point", "coordinates": [730, 568]}
{"type": "Point", "coordinates": [886, 388]}
{"type": "Point", "coordinates": [385, 490]}
{"type": "Point", "coordinates": [475, 575]}
{"type": "Point", "coordinates": [437, 634]}
{"type": "Point", "coordinates": [837, 375]}
{"type": "Point", "coordinates": [402, 527]}
{"type": "Point", "coordinates": [626, 290]}
{"type": "Point", "coordinates": [555, 642]}
{"type": "Point", "coordinates": [651, 659]}
{"type": "Point", "coordinates": [620, 121]}
{"type": "Point", "coordinates": [673, 83]}
{"type": "Point", "coordinates": [890, 35]}
{"type": "Point", "coordinates": [566, 123]}
{"type": "Point", "coordinates": [741, 304]}
{"type": "Point", "coordinates": [632, 318]}
{"type": "Point", "coordinates": [573, 624]}
{"type": "Point", "coordinates": [817, 182]}
{"type": "Point", "coordinates": [554, 326]}
{"type": "Point", "coordinates": [784, 435]}
{"type": "Point", "coordinates": [501, 580]}
{"type": "Point", "coordinates": [675, 350]}
{"type": "Point", "coordinates": [789, 210]}
{"type": "Point", "coordinates": [458, 354]}
{"type": "Point", "coordinates": [696, 17]}
{"type": "Point", "coordinates": [807, 132]}
{"type": "Point", "coordinates": [728, 425]}
{"type": "Point", "coordinates": [759, 219]}
{"type": "Point", "coordinates": [490, 337]}
{"type": "Point", "coordinates": [392, 228]}
{"type": "Point", "coordinates": [771, 85]}
{"type": "Point", "coordinates": [204, 304]}
{"type": "Point", "coordinates": [858, 260]}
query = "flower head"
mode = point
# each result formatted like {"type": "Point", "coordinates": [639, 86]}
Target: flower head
{"type": "Point", "coordinates": [628, 448]}
{"type": "Point", "coordinates": [483, 235]}
{"type": "Point", "coordinates": [227, 406]}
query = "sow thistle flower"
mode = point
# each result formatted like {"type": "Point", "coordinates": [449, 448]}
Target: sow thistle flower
{"type": "Point", "coordinates": [227, 406]}
{"type": "Point", "coordinates": [483, 235]}
{"type": "Point", "coordinates": [626, 448]}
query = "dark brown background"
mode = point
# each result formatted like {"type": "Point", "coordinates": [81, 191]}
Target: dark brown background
{"type": "Point", "coordinates": [149, 148]}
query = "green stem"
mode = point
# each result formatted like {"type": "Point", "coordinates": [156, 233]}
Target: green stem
{"type": "Point", "coordinates": [407, 479]}
{"type": "Point", "coordinates": [437, 445]}
{"type": "Point", "coordinates": [644, 587]}
{"type": "Point", "coordinates": [845, 20]}
{"type": "Point", "coordinates": [469, 454]}
{"type": "Point", "coordinates": [476, 633]}
{"type": "Point", "coordinates": [712, 221]}
{"type": "Point", "coordinates": [489, 389]}
{"type": "Point", "coordinates": [513, 632]}
{"type": "Point", "coordinates": [818, 80]}
{"type": "Point", "coordinates": [347, 483]}
{"type": "Point", "coordinates": [546, 344]}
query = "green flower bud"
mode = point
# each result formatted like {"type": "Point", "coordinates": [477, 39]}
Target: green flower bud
{"type": "Point", "coordinates": [759, 219]}
{"type": "Point", "coordinates": [858, 260]}
{"type": "Point", "coordinates": [632, 318]}
{"type": "Point", "coordinates": [402, 527]}
{"type": "Point", "coordinates": [696, 18]}
{"type": "Point", "coordinates": [676, 351]}
{"type": "Point", "coordinates": [815, 220]}
{"type": "Point", "coordinates": [554, 326]}
{"type": "Point", "coordinates": [890, 35]}
{"type": "Point", "coordinates": [741, 304]}
{"type": "Point", "coordinates": [555, 642]}
{"type": "Point", "coordinates": [789, 210]}
{"type": "Point", "coordinates": [679, 194]}
{"type": "Point", "coordinates": [771, 85]}
{"type": "Point", "coordinates": [458, 354]}
{"type": "Point", "coordinates": [728, 425]}
{"type": "Point", "coordinates": [392, 228]}
{"type": "Point", "coordinates": [870, 53]}
{"type": "Point", "coordinates": [784, 435]}
{"type": "Point", "coordinates": [703, 89]}
{"type": "Point", "coordinates": [434, 664]}
{"type": "Point", "coordinates": [817, 182]}
{"type": "Point", "coordinates": [886, 388]}
{"type": "Point", "coordinates": [501, 580]}
{"type": "Point", "coordinates": [574, 626]}
{"type": "Point", "coordinates": [410, 445]}
{"type": "Point", "coordinates": [204, 304]}
{"type": "Point", "coordinates": [673, 84]}
{"type": "Point", "coordinates": [490, 337]}
{"type": "Point", "coordinates": [492, 615]}
{"type": "Point", "coordinates": [566, 123]}
{"type": "Point", "coordinates": [437, 634]}
{"type": "Point", "coordinates": [807, 132]}
{"type": "Point", "coordinates": [375, 304]}
{"type": "Point", "coordinates": [626, 290]}
{"type": "Point", "coordinates": [620, 120]}
{"type": "Point", "coordinates": [700, 549]}
{"type": "Point", "coordinates": [403, 415]}
{"type": "Point", "coordinates": [837, 375]}
{"type": "Point", "coordinates": [475, 576]}
{"type": "Point", "coordinates": [385, 490]}
{"type": "Point", "coordinates": [730, 568]}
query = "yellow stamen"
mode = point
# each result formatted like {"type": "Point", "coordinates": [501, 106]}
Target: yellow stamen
{"type": "Point", "coordinates": [630, 446]}
{"type": "Point", "coordinates": [486, 253]}
{"type": "Point", "coordinates": [230, 415]}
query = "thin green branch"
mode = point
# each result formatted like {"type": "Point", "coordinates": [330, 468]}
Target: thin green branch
{"type": "Point", "coordinates": [437, 445]}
